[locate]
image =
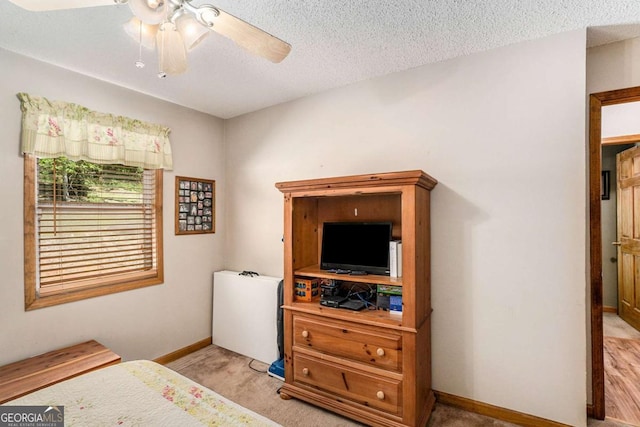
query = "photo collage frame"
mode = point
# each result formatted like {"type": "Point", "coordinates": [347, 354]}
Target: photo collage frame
{"type": "Point", "coordinates": [195, 205]}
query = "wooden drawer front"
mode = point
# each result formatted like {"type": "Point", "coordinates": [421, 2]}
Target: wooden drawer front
{"type": "Point", "coordinates": [357, 386]}
{"type": "Point", "coordinates": [374, 348]}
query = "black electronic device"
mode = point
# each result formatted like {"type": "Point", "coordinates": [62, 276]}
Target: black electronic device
{"type": "Point", "coordinates": [332, 300]}
{"type": "Point", "coordinates": [356, 246]}
{"type": "Point", "coordinates": [353, 304]}
{"type": "Point", "coordinates": [329, 288]}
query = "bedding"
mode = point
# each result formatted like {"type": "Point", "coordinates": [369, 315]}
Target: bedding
{"type": "Point", "coordinates": [141, 393]}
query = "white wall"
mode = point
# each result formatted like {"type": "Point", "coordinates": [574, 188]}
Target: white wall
{"type": "Point", "coordinates": [621, 119]}
{"type": "Point", "coordinates": [504, 133]}
{"type": "Point", "coordinates": [614, 66]}
{"type": "Point", "coordinates": [143, 323]}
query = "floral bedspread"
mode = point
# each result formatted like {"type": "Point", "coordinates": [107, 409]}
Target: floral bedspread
{"type": "Point", "coordinates": [141, 393]}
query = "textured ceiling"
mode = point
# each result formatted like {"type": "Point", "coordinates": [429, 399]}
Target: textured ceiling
{"type": "Point", "coordinates": [335, 43]}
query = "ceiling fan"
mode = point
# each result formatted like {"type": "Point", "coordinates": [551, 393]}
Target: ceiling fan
{"type": "Point", "coordinates": [176, 26]}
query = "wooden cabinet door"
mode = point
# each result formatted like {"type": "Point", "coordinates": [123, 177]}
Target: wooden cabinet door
{"type": "Point", "coordinates": [628, 199]}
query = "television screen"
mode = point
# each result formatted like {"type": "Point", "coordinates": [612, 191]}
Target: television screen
{"type": "Point", "coordinates": [356, 246]}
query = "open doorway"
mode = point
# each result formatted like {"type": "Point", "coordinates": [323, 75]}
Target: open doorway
{"type": "Point", "coordinates": [597, 101]}
{"type": "Point", "coordinates": [621, 342]}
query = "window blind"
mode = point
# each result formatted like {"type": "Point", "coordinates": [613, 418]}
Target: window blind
{"type": "Point", "coordinates": [95, 223]}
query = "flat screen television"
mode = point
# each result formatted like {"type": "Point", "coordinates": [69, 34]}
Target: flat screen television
{"type": "Point", "coordinates": [356, 246]}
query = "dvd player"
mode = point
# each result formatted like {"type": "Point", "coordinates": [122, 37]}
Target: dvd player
{"type": "Point", "coordinates": [332, 300]}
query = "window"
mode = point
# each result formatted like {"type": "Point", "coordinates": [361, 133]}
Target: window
{"type": "Point", "coordinates": [90, 229]}
{"type": "Point", "coordinates": [92, 226]}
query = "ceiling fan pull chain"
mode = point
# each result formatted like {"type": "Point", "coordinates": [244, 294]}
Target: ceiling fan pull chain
{"type": "Point", "coordinates": [161, 32]}
{"type": "Point", "coordinates": [139, 62]}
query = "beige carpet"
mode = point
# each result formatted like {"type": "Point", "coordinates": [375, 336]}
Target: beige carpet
{"type": "Point", "coordinates": [233, 376]}
{"type": "Point", "coordinates": [245, 382]}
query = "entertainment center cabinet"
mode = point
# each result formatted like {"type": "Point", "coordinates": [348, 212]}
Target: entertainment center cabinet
{"type": "Point", "coordinates": [373, 366]}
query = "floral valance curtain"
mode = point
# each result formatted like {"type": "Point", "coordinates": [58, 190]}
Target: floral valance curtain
{"type": "Point", "coordinates": [54, 129]}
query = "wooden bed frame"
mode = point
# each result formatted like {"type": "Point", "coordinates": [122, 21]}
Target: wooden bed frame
{"type": "Point", "coordinates": [26, 376]}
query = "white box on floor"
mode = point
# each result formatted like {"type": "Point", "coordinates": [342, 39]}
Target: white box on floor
{"type": "Point", "coordinates": [245, 313]}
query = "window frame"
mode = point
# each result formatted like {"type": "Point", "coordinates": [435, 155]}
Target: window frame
{"type": "Point", "coordinates": [102, 286]}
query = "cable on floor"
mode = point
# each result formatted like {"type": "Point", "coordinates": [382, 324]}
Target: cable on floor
{"type": "Point", "coordinates": [254, 369]}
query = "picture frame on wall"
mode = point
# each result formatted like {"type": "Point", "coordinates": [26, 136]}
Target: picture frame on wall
{"type": "Point", "coordinates": [195, 206]}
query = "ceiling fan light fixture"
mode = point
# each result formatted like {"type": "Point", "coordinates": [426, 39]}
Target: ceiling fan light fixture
{"type": "Point", "coordinates": [172, 55]}
{"type": "Point", "coordinates": [150, 12]}
{"type": "Point", "coordinates": [143, 33]}
{"type": "Point", "coordinates": [191, 30]}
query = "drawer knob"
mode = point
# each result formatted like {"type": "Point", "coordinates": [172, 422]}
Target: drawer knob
{"type": "Point", "coordinates": [305, 372]}
{"type": "Point", "coordinates": [305, 334]}
{"type": "Point", "coordinates": [380, 395]}
{"type": "Point", "coordinates": [380, 352]}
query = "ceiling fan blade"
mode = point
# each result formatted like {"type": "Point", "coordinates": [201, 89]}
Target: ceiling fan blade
{"type": "Point", "coordinates": [251, 38]}
{"type": "Point", "coordinates": [44, 5]}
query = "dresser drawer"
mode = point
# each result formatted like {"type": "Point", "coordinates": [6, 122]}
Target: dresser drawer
{"type": "Point", "coordinates": [379, 349]}
{"type": "Point", "coordinates": [357, 386]}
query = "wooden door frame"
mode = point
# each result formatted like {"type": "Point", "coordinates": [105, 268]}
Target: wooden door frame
{"type": "Point", "coordinates": [596, 102]}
